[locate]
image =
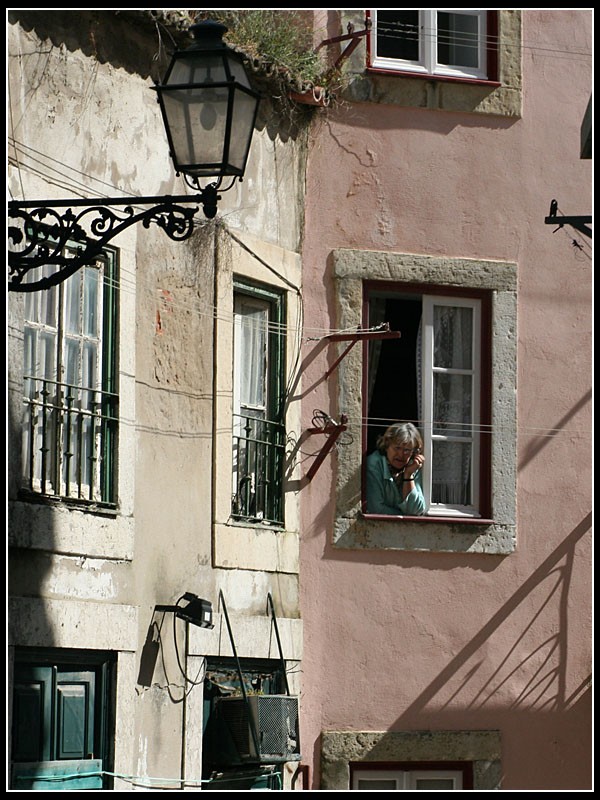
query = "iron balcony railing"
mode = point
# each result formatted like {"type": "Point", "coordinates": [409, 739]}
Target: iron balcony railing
{"type": "Point", "coordinates": [69, 441]}
{"type": "Point", "coordinates": [258, 458]}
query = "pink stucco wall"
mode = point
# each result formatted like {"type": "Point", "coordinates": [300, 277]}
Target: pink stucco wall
{"type": "Point", "coordinates": [408, 641]}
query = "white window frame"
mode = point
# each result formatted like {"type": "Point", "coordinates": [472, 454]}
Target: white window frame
{"type": "Point", "coordinates": [430, 370]}
{"type": "Point", "coordinates": [241, 302]}
{"type": "Point", "coordinates": [405, 780]}
{"type": "Point", "coordinates": [427, 64]}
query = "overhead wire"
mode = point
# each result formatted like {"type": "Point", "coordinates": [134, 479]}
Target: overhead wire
{"type": "Point", "coordinates": [132, 284]}
{"type": "Point", "coordinates": [465, 39]}
{"type": "Point", "coordinates": [169, 300]}
{"type": "Point", "coordinates": [468, 429]}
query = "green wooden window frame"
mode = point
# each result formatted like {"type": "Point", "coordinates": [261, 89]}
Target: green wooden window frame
{"type": "Point", "coordinates": [258, 439]}
{"type": "Point", "coordinates": [62, 719]}
{"type": "Point", "coordinates": [71, 427]}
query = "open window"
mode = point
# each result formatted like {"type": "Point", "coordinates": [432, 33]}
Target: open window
{"type": "Point", "coordinates": [434, 376]}
{"type": "Point", "coordinates": [402, 283]}
{"type": "Point", "coordinates": [258, 429]}
{"type": "Point", "coordinates": [447, 43]}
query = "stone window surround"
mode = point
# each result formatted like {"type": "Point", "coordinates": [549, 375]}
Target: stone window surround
{"type": "Point", "coordinates": [238, 545]}
{"type": "Point", "coordinates": [502, 98]}
{"type": "Point", "coordinates": [352, 530]}
{"type": "Point", "coordinates": [340, 748]}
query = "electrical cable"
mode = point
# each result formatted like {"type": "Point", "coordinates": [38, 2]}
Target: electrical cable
{"type": "Point", "coordinates": [195, 681]}
{"type": "Point", "coordinates": [391, 30]}
{"type": "Point", "coordinates": [148, 782]}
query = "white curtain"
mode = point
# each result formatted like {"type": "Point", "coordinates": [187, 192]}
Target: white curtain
{"type": "Point", "coordinates": [40, 375]}
{"type": "Point", "coordinates": [452, 405]}
{"type": "Point", "coordinates": [252, 363]}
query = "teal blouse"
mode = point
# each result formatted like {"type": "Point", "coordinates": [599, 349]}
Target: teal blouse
{"type": "Point", "coordinates": [384, 496]}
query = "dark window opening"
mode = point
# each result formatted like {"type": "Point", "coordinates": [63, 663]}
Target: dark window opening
{"type": "Point", "coordinates": [393, 387]}
{"type": "Point", "coordinates": [398, 34]}
{"type": "Point", "coordinates": [229, 757]}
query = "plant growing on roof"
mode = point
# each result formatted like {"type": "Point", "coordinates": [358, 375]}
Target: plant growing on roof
{"type": "Point", "coordinates": [280, 50]}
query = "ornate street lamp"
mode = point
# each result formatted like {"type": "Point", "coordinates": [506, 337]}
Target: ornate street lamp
{"type": "Point", "coordinates": [205, 97]}
{"type": "Point", "coordinates": [209, 111]}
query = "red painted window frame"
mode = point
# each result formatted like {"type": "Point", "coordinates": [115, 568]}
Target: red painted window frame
{"type": "Point", "coordinates": [492, 79]}
{"type": "Point", "coordinates": [485, 452]}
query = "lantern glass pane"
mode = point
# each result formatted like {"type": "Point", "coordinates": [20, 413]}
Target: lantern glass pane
{"type": "Point", "coordinates": [242, 128]}
{"type": "Point", "coordinates": [196, 119]}
{"type": "Point", "coordinates": [202, 68]}
{"type": "Point", "coordinates": [238, 73]}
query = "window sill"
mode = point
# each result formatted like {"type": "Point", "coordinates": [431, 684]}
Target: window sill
{"type": "Point", "coordinates": [431, 519]}
{"type": "Point", "coordinates": [399, 73]}
{"type": "Point", "coordinates": [77, 504]}
{"type": "Point", "coordinates": [41, 523]}
{"type": "Point", "coordinates": [260, 524]}
{"type": "Point", "coordinates": [435, 92]}
{"type": "Point", "coordinates": [426, 534]}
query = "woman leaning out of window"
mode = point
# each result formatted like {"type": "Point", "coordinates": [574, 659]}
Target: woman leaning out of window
{"type": "Point", "coordinates": [393, 473]}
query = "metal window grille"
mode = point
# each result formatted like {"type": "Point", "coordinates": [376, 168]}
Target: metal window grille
{"type": "Point", "coordinates": [69, 440]}
{"type": "Point", "coordinates": [258, 456]}
{"type": "Point", "coordinates": [264, 728]}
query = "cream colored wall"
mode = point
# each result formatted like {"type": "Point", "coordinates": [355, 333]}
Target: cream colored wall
{"type": "Point", "coordinates": [81, 127]}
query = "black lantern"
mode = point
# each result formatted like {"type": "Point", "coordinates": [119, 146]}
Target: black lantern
{"type": "Point", "coordinates": [209, 111]}
{"type": "Point", "coordinates": [208, 107]}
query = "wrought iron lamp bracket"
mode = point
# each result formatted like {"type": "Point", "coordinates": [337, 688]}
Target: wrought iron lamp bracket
{"type": "Point", "coordinates": [40, 233]}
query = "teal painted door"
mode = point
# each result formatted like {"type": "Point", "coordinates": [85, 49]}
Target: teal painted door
{"type": "Point", "coordinates": [56, 726]}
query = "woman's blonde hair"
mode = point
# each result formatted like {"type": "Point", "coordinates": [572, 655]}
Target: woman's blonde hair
{"type": "Point", "coordinates": [400, 432]}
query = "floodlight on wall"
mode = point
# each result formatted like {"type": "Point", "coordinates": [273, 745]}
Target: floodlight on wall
{"type": "Point", "coordinates": [209, 112]}
{"type": "Point", "coordinates": [196, 612]}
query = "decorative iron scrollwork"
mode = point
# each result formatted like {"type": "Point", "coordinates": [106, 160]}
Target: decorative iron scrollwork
{"type": "Point", "coordinates": [41, 236]}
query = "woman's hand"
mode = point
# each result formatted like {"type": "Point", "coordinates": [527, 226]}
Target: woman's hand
{"type": "Point", "coordinates": [414, 465]}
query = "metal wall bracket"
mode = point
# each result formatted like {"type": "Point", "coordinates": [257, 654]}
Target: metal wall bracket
{"type": "Point", "coordinates": [332, 430]}
{"type": "Point", "coordinates": [317, 95]}
{"type": "Point", "coordinates": [353, 36]}
{"type": "Point", "coordinates": [580, 223]}
{"type": "Point", "coordinates": [382, 332]}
